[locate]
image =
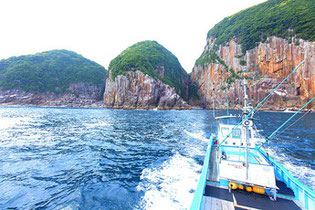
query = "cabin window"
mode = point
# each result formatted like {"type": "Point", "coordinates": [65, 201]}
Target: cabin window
{"type": "Point", "coordinates": [237, 133]}
{"type": "Point", "coordinates": [225, 131]}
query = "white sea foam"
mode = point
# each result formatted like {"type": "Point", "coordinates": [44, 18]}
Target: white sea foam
{"type": "Point", "coordinates": [170, 185]}
{"type": "Point", "coordinates": [304, 174]}
{"type": "Point", "coordinates": [199, 135]}
{"type": "Point", "coordinates": [96, 124]}
{"type": "Point", "coordinates": [9, 122]}
{"type": "Point", "coordinates": [6, 122]}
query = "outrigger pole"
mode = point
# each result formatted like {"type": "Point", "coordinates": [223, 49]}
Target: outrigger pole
{"type": "Point", "coordinates": [283, 124]}
{"type": "Point", "coordinates": [246, 117]}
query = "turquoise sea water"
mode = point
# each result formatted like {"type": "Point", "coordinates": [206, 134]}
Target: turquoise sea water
{"type": "Point", "coordinates": [93, 158]}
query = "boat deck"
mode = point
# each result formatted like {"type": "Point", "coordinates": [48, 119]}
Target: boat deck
{"type": "Point", "coordinates": [232, 167]}
{"type": "Point", "coordinates": [218, 198]}
{"type": "Point", "coordinates": [217, 204]}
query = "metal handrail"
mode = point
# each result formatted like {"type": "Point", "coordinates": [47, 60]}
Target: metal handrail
{"type": "Point", "coordinates": [197, 200]}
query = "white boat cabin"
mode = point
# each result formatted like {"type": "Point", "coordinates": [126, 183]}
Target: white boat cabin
{"type": "Point", "coordinates": [237, 138]}
{"type": "Point", "coordinates": [233, 156]}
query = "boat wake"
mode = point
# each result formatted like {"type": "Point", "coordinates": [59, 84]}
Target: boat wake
{"type": "Point", "coordinates": [97, 124]}
{"type": "Point", "coordinates": [170, 185]}
{"type": "Point", "coordinates": [8, 122]}
{"type": "Point", "coordinates": [197, 136]}
{"type": "Point", "coordinates": [304, 174]}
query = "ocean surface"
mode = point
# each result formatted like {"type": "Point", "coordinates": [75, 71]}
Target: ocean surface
{"type": "Point", "coordinates": [94, 158]}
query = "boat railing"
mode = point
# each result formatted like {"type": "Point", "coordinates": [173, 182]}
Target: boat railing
{"type": "Point", "coordinates": [197, 200]}
{"type": "Point", "coordinates": [302, 193]}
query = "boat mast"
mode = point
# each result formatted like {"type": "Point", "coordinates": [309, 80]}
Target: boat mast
{"type": "Point", "coordinates": [246, 122]}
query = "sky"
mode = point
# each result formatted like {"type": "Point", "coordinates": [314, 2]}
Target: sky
{"type": "Point", "coordinates": [101, 29]}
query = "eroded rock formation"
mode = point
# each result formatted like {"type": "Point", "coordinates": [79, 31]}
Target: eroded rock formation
{"type": "Point", "coordinates": [138, 90]}
{"type": "Point", "coordinates": [77, 95]}
{"type": "Point", "coordinates": [268, 64]}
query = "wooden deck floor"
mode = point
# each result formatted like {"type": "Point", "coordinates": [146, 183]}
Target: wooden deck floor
{"type": "Point", "coordinates": [216, 204]}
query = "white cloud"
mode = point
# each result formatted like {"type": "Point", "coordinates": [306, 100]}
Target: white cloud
{"type": "Point", "coordinates": [100, 29]}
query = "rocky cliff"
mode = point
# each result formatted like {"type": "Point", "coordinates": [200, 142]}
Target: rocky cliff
{"type": "Point", "coordinates": [77, 95]}
{"type": "Point", "coordinates": [136, 90]}
{"type": "Point", "coordinates": [51, 78]}
{"type": "Point", "coordinates": [146, 75]}
{"type": "Point", "coordinates": [218, 72]}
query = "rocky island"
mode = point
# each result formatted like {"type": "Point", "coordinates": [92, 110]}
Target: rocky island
{"type": "Point", "coordinates": [267, 40]}
{"type": "Point", "coordinates": [146, 75]}
{"type": "Point", "coordinates": [52, 78]}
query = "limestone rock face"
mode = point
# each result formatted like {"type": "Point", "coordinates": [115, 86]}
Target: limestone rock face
{"type": "Point", "coordinates": [77, 95]}
{"type": "Point", "coordinates": [138, 90]}
{"type": "Point", "coordinates": [268, 64]}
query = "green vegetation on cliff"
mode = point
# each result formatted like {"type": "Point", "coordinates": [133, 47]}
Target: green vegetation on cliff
{"type": "Point", "coordinates": [208, 56]}
{"type": "Point", "coordinates": [281, 18]}
{"type": "Point", "coordinates": [147, 56]}
{"type": "Point", "coordinates": [51, 71]}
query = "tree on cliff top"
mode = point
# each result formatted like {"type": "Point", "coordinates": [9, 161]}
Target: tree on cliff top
{"type": "Point", "coordinates": [51, 71]}
{"type": "Point", "coordinates": [271, 18]}
{"type": "Point", "coordinates": [147, 56]}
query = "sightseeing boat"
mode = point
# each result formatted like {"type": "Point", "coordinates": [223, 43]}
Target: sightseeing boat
{"type": "Point", "coordinates": [238, 174]}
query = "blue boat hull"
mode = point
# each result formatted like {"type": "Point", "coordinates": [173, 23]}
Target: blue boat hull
{"type": "Point", "coordinates": [302, 195]}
